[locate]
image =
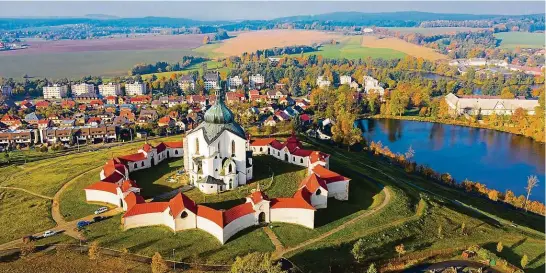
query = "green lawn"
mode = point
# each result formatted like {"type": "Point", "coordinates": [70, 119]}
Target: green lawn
{"type": "Point", "coordinates": [154, 181]}
{"type": "Point", "coordinates": [23, 214]}
{"type": "Point", "coordinates": [521, 39]}
{"type": "Point", "coordinates": [190, 245]}
{"type": "Point", "coordinates": [352, 49]}
{"type": "Point", "coordinates": [212, 64]}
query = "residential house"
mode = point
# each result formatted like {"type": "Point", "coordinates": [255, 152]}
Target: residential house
{"type": "Point", "coordinates": [372, 85]}
{"type": "Point", "coordinates": [32, 118]}
{"type": "Point", "coordinates": [86, 97]}
{"type": "Point", "coordinates": [166, 121]}
{"type": "Point", "coordinates": [235, 82]}
{"type": "Point", "coordinates": [232, 97]}
{"type": "Point", "coordinates": [151, 114]}
{"type": "Point", "coordinates": [345, 79]}
{"type": "Point", "coordinates": [186, 83]}
{"type": "Point", "coordinates": [488, 105]}
{"type": "Point", "coordinates": [257, 81]}
{"type": "Point", "coordinates": [18, 137]}
{"type": "Point", "coordinates": [322, 82]}
{"type": "Point", "coordinates": [5, 90]}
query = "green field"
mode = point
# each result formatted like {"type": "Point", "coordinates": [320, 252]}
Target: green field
{"type": "Point", "coordinates": [520, 39]}
{"type": "Point", "coordinates": [352, 49]}
{"type": "Point", "coordinates": [212, 64]}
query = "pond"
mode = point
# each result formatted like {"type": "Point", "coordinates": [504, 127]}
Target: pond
{"type": "Point", "coordinates": [500, 160]}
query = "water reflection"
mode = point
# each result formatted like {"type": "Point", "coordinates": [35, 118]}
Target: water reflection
{"type": "Point", "coordinates": [500, 160]}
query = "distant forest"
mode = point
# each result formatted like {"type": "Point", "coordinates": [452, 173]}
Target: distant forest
{"type": "Point", "coordinates": [85, 28]}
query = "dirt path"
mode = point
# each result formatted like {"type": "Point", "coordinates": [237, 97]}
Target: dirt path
{"type": "Point", "coordinates": [27, 191]}
{"type": "Point", "coordinates": [56, 211]}
{"type": "Point", "coordinates": [274, 239]}
{"type": "Point", "coordinates": [387, 199]}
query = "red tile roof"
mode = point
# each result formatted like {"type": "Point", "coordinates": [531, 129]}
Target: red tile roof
{"type": "Point", "coordinates": [180, 202]}
{"type": "Point", "coordinates": [237, 212]}
{"type": "Point", "coordinates": [327, 175]}
{"type": "Point", "coordinates": [161, 147]}
{"type": "Point", "coordinates": [211, 214]}
{"type": "Point", "coordinates": [318, 156]}
{"type": "Point", "coordinates": [103, 186]}
{"type": "Point", "coordinates": [173, 144]}
{"type": "Point", "coordinates": [313, 183]}
{"type": "Point", "coordinates": [147, 147]}
{"type": "Point", "coordinates": [114, 178]}
{"type": "Point", "coordinates": [144, 208]}
{"type": "Point", "coordinates": [132, 199]}
{"type": "Point", "coordinates": [127, 184]}
{"type": "Point", "coordinates": [258, 196]}
{"type": "Point", "coordinates": [110, 168]}
{"type": "Point", "coordinates": [134, 157]}
{"type": "Point", "coordinates": [261, 141]}
{"type": "Point", "coordinates": [290, 203]}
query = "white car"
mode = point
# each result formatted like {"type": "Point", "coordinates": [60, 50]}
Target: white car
{"type": "Point", "coordinates": [101, 210]}
{"type": "Point", "coordinates": [48, 233]}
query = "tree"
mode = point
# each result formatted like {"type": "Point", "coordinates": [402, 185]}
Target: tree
{"type": "Point", "coordinates": [524, 261]}
{"type": "Point", "coordinates": [400, 250]}
{"type": "Point", "coordinates": [256, 263]}
{"type": "Point", "coordinates": [93, 251]}
{"type": "Point", "coordinates": [371, 269]}
{"type": "Point", "coordinates": [506, 93]}
{"type": "Point", "coordinates": [499, 247]}
{"type": "Point", "coordinates": [532, 181]}
{"type": "Point", "coordinates": [206, 40]}
{"type": "Point", "coordinates": [158, 264]}
{"type": "Point", "coordinates": [463, 227]}
{"type": "Point", "coordinates": [358, 250]}
{"type": "Point", "coordinates": [493, 195]}
{"type": "Point", "coordinates": [409, 154]}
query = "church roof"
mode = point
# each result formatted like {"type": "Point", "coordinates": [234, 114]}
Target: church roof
{"type": "Point", "coordinates": [218, 119]}
{"type": "Point", "coordinates": [211, 180]}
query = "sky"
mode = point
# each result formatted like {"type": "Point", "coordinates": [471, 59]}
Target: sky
{"type": "Point", "coordinates": [231, 10]}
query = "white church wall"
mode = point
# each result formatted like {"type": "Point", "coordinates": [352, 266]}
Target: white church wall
{"type": "Point", "coordinates": [211, 228]}
{"type": "Point", "coordinates": [102, 196]}
{"type": "Point", "coordinates": [339, 190]}
{"type": "Point", "coordinates": [149, 219]}
{"type": "Point", "coordinates": [304, 217]}
{"type": "Point", "coordinates": [188, 222]}
{"type": "Point", "coordinates": [238, 225]}
{"type": "Point", "coordinates": [320, 201]}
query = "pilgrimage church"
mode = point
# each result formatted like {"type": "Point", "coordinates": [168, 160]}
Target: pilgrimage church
{"type": "Point", "coordinates": [218, 157]}
{"type": "Point", "coordinates": [216, 153]}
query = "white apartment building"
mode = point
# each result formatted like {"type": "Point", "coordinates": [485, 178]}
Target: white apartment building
{"type": "Point", "coordinates": [212, 81]}
{"type": "Point", "coordinates": [135, 89]}
{"type": "Point", "coordinates": [6, 90]}
{"type": "Point", "coordinates": [322, 82]}
{"type": "Point", "coordinates": [82, 88]}
{"type": "Point", "coordinates": [110, 89]}
{"type": "Point", "coordinates": [345, 79]}
{"type": "Point", "coordinates": [256, 80]}
{"type": "Point", "coordinates": [55, 91]}
{"type": "Point", "coordinates": [371, 84]}
{"type": "Point", "coordinates": [235, 82]}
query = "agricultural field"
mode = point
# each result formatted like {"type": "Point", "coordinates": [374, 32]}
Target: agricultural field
{"type": "Point", "coordinates": [212, 64]}
{"type": "Point", "coordinates": [351, 48]}
{"type": "Point", "coordinates": [265, 39]}
{"type": "Point", "coordinates": [403, 46]}
{"type": "Point", "coordinates": [520, 39]}
{"type": "Point", "coordinates": [434, 30]}
{"type": "Point", "coordinates": [101, 57]}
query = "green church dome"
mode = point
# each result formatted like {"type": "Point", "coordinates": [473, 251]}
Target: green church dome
{"type": "Point", "coordinates": [219, 113]}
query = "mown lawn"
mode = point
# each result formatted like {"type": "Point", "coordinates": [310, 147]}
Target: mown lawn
{"type": "Point", "coordinates": [153, 181]}
{"type": "Point", "coordinates": [189, 245]}
{"type": "Point", "coordinates": [23, 214]}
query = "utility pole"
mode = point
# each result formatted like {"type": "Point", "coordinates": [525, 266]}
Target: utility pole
{"type": "Point", "coordinates": [174, 262]}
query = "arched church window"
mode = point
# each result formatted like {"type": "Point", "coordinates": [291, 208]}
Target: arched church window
{"type": "Point", "coordinates": [184, 215]}
{"type": "Point", "coordinates": [230, 168]}
{"type": "Point", "coordinates": [318, 192]}
{"type": "Point", "coordinates": [135, 166]}
{"type": "Point", "coordinates": [233, 147]}
{"type": "Point", "coordinates": [301, 160]}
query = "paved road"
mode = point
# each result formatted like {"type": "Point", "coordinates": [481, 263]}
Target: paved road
{"type": "Point", "coordinates": [63, 228]}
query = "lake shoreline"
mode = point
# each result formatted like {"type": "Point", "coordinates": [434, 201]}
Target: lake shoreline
{"type": "Point", "coordinates": [450, 122]}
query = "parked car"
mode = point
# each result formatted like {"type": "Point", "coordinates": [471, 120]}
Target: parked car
{"type": "Point", "coordinates": [48, 233]}
{"type": "Point", "coordinates": [82, 224]}
{"type": "Point", "coordinates": [101, 210]}
{"type": "Point", "coordinates": [98, 218]}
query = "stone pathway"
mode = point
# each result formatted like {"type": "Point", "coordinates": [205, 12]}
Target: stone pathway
{"type": "Point", "coordinates": [274, 239]}
{"type": "Point", "coordinates": [27, 191]}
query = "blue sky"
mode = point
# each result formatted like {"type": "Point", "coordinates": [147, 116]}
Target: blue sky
{"type": "Point", "coordinates": [230, 10]}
